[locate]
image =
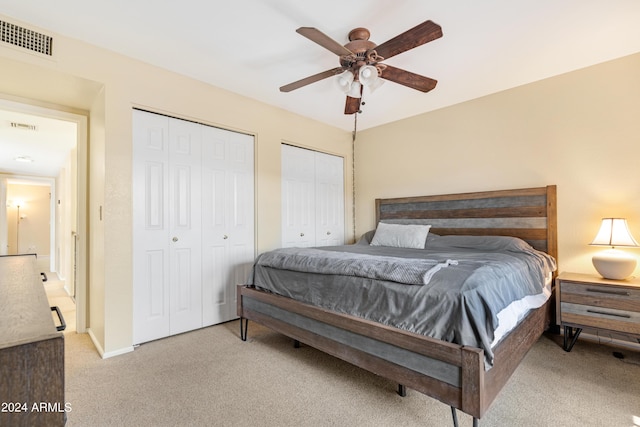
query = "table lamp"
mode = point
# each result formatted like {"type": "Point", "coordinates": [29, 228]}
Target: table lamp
{"type": "Point", "coordinates": [614, 263]}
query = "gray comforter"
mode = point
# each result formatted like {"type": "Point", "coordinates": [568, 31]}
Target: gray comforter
{"type": "Point", "coordinates": [451, 290]}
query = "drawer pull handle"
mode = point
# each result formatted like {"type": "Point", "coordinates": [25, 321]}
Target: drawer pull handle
{"type": "Point", "coordinates": [609, 291]}
{"type": "Point", "coordinates": [63, 325]}
{"type": "Point", "coordinates": [626, 316]}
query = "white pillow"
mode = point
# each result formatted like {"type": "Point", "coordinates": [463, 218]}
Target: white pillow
{"type": "Point", "coordinates": [411, 236]}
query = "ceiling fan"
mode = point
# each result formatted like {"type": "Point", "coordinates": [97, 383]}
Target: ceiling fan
{"type": "Point", "coordinates": [361, 61]}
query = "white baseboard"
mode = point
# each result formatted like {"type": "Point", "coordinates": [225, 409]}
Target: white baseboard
{"type": "Point", "coordinates": [103, 354]}
{"type": "Point", "coordinates": [95, 342]}
{"type": "Point", "coordinates": [117, 352]}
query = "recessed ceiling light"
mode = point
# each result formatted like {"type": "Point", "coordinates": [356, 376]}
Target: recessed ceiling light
{"type": "Point", "coordinates": [24, 159]}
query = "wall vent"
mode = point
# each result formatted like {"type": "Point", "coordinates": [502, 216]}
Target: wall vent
{"type": "Point", "coordinates": [24, 126]}
{"type": "Point", "coordinates": [26, 38]}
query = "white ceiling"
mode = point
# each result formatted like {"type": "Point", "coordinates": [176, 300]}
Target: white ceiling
{"type": "Point", "coordinates": [45, 141]}
{"type": "Point", "coordinates": [250, 46]}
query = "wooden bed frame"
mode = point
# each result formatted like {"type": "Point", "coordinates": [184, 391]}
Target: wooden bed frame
{"type": "Point", "coordinates": [451, 373]}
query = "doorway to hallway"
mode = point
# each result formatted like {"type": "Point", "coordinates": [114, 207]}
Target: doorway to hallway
{"type": "Point", "coordinates": [41, 187]}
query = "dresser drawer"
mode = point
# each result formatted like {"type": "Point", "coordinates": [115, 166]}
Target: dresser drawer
{"type": "Point", "coordinates": [601, 296]}
{"type": "Point", "coordinates": [600, 317]}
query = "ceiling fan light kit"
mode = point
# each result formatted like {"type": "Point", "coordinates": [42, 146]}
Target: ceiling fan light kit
{"type": "Point", "coordinates": [355, 91]}
{"type": "Point", "coordinates": [361, 62]}
{"type": "Point", "coordinates": [344, 80]}
{"type": "Point", "coordinates": [369, 76]}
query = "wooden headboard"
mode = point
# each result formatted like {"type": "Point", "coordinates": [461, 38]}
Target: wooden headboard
{"type": "Point", "coordinates": [528, 213]}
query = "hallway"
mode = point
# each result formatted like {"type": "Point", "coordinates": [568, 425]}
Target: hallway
{"type": "Point", "coordinates": [58, 296]}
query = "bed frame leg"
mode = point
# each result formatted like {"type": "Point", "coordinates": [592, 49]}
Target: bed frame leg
{"type": "Point", "coordinates": [454, 414]}
{"type": "Point", "coordinates": [296, 344]}
{"type": "Point", "coordinates": [244, 325]}
{"type": "Point", "coordinates": [402, 390]}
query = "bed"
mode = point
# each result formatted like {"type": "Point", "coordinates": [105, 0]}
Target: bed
{"type": "Point", "coordinates": [463, 376]}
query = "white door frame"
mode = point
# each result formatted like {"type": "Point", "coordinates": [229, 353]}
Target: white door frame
{"type": "Point", "coordinates": [82, 237]}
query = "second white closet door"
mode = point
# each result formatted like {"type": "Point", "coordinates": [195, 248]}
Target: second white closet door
{"type": "Point", "coordinates": [312, 198]}
{"type": "Point", "coordinates": [166, 205]}
{"type": "Point", "coordinates": [329, 196]}
{"type": "Point", "coordinates": [298, 197]}
{"type": "Point", "coordinates": [185, 153]}
{"type": "Point", "coordinates": [227, 222]}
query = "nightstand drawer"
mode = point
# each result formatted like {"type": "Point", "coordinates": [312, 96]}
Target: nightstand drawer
{"type": "Point", "coordinates": [603, 296]}
{"type": "Point", "coordinates": [601, 317]}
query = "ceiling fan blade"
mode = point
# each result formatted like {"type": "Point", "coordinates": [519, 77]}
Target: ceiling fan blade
{"type": "Point", "coordinates": [352, 105]}
{"type": "Point", "coordinates": [311, 79]}
{"type": "Point", "coordinates": [323, 40]}
{"type": "Point", "coordinates": [416, 36]}
{"type": "Point", "coordinates": [409, 79]}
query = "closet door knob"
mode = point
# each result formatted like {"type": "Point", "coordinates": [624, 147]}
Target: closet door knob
{"type": "Point", "coordinates": [301, 234]}
{"type": "Point", "coordinates": [225, 237]}
{"type": "Point", "coordinates": [175, 239]}
{"type": "Point", "coordinates": [328, 233]}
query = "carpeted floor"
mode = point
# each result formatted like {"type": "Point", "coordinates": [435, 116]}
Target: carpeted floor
{"type": "Point", "coordinates": [210, 377]}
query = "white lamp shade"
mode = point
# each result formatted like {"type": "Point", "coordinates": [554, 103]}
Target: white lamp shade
{"type": "Point", "coordinates": [369, 77]}
{"type": "Point", "coordinates": [355, 90]}
{"type": "Point", "coordinates": [368, 74]}
{"type": "Point", "coordinates": [613, 263]}
{"type": "Point", "coordinates": [375, 85]}
{"type": "Point", "coordinates": [614, 232]}
{"type": "Point", "coordinates": [344, 81]}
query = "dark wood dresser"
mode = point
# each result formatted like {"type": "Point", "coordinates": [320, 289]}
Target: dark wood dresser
{"type": "Point", "coordinates": [31, 348]}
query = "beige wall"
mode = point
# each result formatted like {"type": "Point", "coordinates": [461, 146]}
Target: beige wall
{"type": "Point", "coordinates": [580, 131]}
{"type": "Point", "coordinates": [35, 212]}
{"type": "Point", "coordinates": [109, 86]}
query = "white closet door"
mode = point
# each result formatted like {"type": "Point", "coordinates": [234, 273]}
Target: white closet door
{"type": "Point", "coordinates": [329, 191]}
{"type": "Point", "coordinates": [193, 190]}
{"type": "Point", "coordinates": [228, 220]}
{"type": "Point", "coordinates": [312, 198]}
{"type": "Point", "coordinates": [185, 154]}
{"type": "Point", "coordinates": [166, 203]}
{"type": "Point", "coordinates": [150, 227]}
{"type": "Point", "coordinates": [298, 197]}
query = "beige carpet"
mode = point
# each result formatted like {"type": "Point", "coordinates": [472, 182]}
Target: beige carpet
{"type": "Point", "coordinates": [210, 377]}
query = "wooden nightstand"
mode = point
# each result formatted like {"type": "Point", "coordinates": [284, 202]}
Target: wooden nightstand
{"type": "Point", "coordinates": [589, 301]}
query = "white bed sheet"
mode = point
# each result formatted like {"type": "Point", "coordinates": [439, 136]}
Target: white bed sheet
{"type": "Point", "coordinates": [511, 315]}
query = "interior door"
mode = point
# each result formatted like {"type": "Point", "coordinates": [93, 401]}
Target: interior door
{"type": "Point", "coordinates": [166, 203]}
{"type": "Point", "coordinates": [150, 227]}
{"type": "Point", "coordinates": [184, 240]}
{"type": "Point", "coordinates": [298, 197]}
{"type": "Point", "coordinates": [329, 199]}
{"type": "Point", "coordinates": [227, 220]}
{"type": "Point", "coordinates": [312, 198]}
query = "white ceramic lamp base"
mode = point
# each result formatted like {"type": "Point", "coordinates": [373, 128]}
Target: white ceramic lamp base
{"type": "Point", "coordinates": [614, 264]}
